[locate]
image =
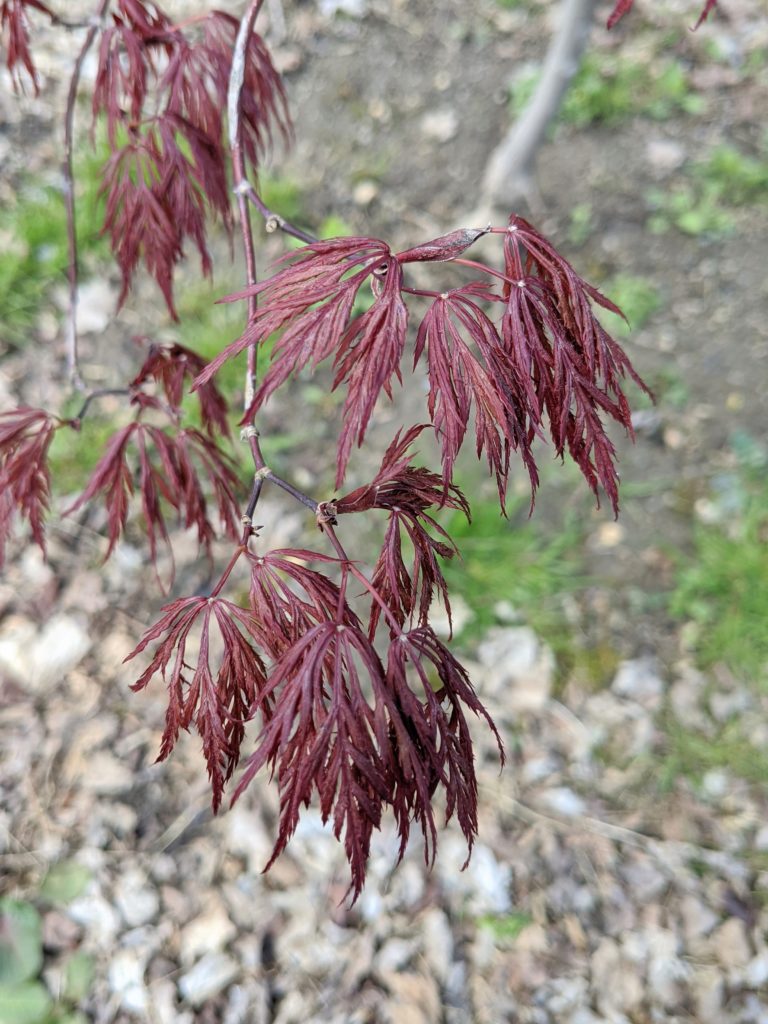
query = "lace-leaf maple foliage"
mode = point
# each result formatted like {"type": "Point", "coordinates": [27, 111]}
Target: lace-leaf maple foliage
{"type": "Point", "coordinates": [355, 704]}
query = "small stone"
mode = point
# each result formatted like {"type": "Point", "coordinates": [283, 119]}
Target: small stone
{"type": "Point", "coordinates": [665, 154]}
{"type": "Point", "coordinates": [59, 932]}
{"type": "Point", "coordinates": [438, 943]}
{"type": "Point", "coordinates": [352, 8]}
{"type": "Point", "coordinates": [208, 933]}
{"type": "Point", "coordinates": [715, 784]}
{"type": "Point", "coordinates": [698, 918]}
{"type": "Point", "coordinates": [730, 946]}
{"type": "Point", "coordinates": [38, 658]}
{"type": "Point", "coordinates": [519, 667]}
{"type": "Point", "coordinates": [96, 301]}
{"type": "Point", "coordinates": [365, 192]}
{"type": "Point", "coordinates": [126, 981]}
{"type": "Point", "coordinates": [440, 125]}
{"type": "Point", "coordinates": [137, 902]}
{"type": "Point", "coordinates": [563, 800]}
{"type": "Point", "coordinates": [99, 918]}
{"type": "Point", "coordinates": [395, 954]}
{"type": "Point", "coordinates": [755, 974]}
{"type": "Point", "coordinates": [207, 978]}
{"type": "Point", "coordinates": [107, 775]}
{"type": "Point", "coordinates": [617, 988]}
{"type": "Point", "coordinates": [610, 535]}
{"type": "Point", "coordinates": [639, 680]}
{"type": "Point", "coordinates": [708, 989]}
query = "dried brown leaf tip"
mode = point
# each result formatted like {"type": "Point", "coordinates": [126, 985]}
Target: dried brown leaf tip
{"type": "Point", "coordinates": [25, 480]}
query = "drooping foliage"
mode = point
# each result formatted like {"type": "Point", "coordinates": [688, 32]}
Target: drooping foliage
{"type": "Point", "coordinates": [360, 711]}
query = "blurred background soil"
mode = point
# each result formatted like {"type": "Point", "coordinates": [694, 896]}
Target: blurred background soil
{"type": "Point", "coordinates": [620, 874]}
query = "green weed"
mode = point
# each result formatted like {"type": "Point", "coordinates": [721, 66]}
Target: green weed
{"type": "Point", "coordinates": [515, 561]}
{"type": "Point", "coordinates": [24, 998]}
{"type": "Point", "coordinates": [691, 755]}
{"type": "Point", "coordinates": [721, 590]}
{"type": "Point", "coordinates": [608, 89]}
{"type": "Point", "coordinates": [33, 246]}
{"type": "Point", "coordinates": [637, 297]}
{"type": "Point", "coordinates": [693, 208]}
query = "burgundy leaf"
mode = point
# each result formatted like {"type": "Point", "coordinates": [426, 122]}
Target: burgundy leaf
{"type": "Point", "coordinates": [25, 481]}
{"type": "Point", "coordinates": [368, 358]}
{"type": "Point", "coordinates": [408, 492]}
{"type": "Point", "coordinates": [171, 367]}
{"type": "Point", "coordinates": [324, 736]}
{"type": "Point", "coordinates": [14, 34]}
{"type": "Point", "coordinates": [288, 599]}
{"type": "Point", "coordinates": [113, 479]}
{"type": "Point", "coordinates": [218, 701]}
{"type": "Point", "coordinates": [326, 275]}
{"type": "Point", "coordinates": [470, 371]}
{"type": "Point", "coordinates": [171, 469]}
{"type": "Point", "coordinates": [433, 745]}
{"type": "Point", "coordinates": [570, 368]}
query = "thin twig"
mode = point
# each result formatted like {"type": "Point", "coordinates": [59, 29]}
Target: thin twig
{"type": "Point", "coordinates": [93, 396]}
{"type": "Point", "coordinates": [236, 78]}
{"type": "Point", "coordinates": [273, 221]}
{"type": "Point", "coordinates": [73, 369]}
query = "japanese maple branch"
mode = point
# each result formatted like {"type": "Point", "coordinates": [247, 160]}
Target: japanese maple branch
{"type": "Point", "coordinates": [69, 194]}
{"type": "Point", "coordinates": [236, 78]}
{"type": "Point", "coordinates": [273, 221]}
{"type": "Point", "coordinates": [93, 396]}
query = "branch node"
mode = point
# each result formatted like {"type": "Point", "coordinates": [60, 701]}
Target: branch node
{"type": "Point", "coordinates": [248, 432]}
{"type": "Point", "coordinates": [242, 188]}
{"type": "Point", "coordinates": [273, 224]}
{"type": "Point", "coordinates": [263, 473]}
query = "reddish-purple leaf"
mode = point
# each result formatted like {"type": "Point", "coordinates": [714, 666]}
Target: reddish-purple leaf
{"type": "Point", "coordinates": [171, 367]}
{"type": "Point", "coordinates": [570, 368]}
{"type": "Point", "coordinates": [25, 481]}
{"type": "Point", "coordinates": [326, 275]}
{"type": "Point", "coordinates": [173, 466]}
{"type": "Point", "coordinates": [469, 371]}
{"type": "Point", "coordinates": [322, 737]}
{"type": "Point", "coordinates": [431, 739]}
{"type": "Point", "coordinates": [218, 701]}
{"type": "Point", "coordinates": [408, 492]}
{"type": "Point", "coordinates": [287, 598]}
{"type": "Point", "coordinates": [14, 35]}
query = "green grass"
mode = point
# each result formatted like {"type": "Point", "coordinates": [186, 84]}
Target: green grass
{"type": "Point", "coordinates": [722, 589]}
{"type": "Point", "coordinates": [704, 203]}
{"type": "Point", "coordinates": [33, 246]}
{"type": "Point", "coordinates": [691, 755]}
{"type": "Point", "coordinates": [514, 560]}
{"type": "Point", "coordinates": [637, 297]}
{"type": "Point", "coordinates": [608, 89]}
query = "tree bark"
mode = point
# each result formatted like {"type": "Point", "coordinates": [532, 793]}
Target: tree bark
{"type": "Point", "coordinates": [509, 173]}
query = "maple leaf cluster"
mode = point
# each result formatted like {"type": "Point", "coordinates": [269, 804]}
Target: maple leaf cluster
{"type": "Point", "coordinates": [168, 166]}
{"type": "Point", "coordinates": [359, 712]}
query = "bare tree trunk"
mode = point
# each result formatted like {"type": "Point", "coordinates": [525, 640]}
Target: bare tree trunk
{"type": "Point", "coordinates": [509, 174]}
